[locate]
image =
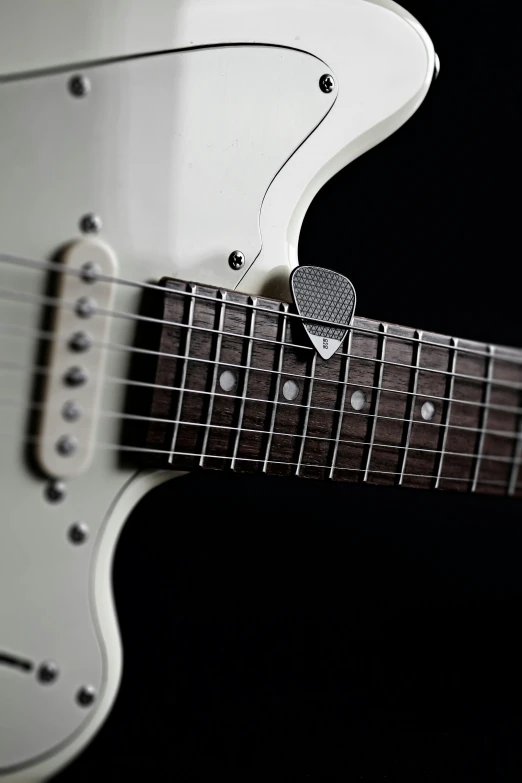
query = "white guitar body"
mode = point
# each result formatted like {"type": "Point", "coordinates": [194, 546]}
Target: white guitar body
{"type": "Point", "coordinates": [204, 130]}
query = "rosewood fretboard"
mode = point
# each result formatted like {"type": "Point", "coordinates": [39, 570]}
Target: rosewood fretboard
{"type": "Point", "coordinates": [240, 387]}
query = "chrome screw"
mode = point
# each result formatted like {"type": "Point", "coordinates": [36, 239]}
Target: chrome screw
{"type": "Point", "coordinates": [85, 696]}
{"type": "Point", "coordinates": [91, 224]}
{"type": "Point", "coordinates": [75, 376]}
{"type": "Point", "coordinates": [90, 272]}
{"type": "Point", "coordinates": [327, 83]}
{"type": "Point", "coordinates": [237, 260]}
{"type": "Point", "coordinates": [55, 491]}
{"type": "Point", "coordinates": [85, 307]}
{"type": "Point", "coordinates": [78, 533]}
{"type": "Point", "coordinates": [79, 86]}
{"type": "Point", "coordinates": [71, 411]}
{"type": "Point", "coordinates": [47, 673]}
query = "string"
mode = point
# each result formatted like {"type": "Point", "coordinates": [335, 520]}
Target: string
{"type": "Point", "coordinates": [45, 371]}
{"type": "Point", "coordinates": [58, 267]}
{"type": "Point", "coordinates": [144, 450]}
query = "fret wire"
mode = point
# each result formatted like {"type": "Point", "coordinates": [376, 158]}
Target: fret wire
{"type": "Point", "coordinates": [413, 402]}
{"type": "Point", "coordinates": [190, 321]}
{"type": "Point", "coordinates": [145, 384]}
{"type": "Point", "coordinates": [222, 296]}
{"type": "Point", "coordinates": [484, 416]}
{"type": "Point", "coordinates": [111, 446]}
{"type": "Point", "coordinates": [513, 479]}
{"type": "Point", "coordinates": [45, 335]}
{"type": "Point", "coordinates": [307, 412]}
{"type": "Point", "coordinates": [245, 381]}
{"type": "Point", "coordinates": [343, 402]}
{"type": "Point", "coordinates": [384, 329]}
{"type": "Point", "coordinates": [55, 266]}
{"type": "Point", "coordinates": [448, 411]}
{"type": "Point", "coordinates": [284, 310]}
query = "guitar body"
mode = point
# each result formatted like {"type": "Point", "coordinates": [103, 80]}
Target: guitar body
{"type": "Point", "coordinates": [202, 129]}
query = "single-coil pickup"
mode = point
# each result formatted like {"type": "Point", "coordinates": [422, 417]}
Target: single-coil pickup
{"type": "Point", "coordinates": [76, 358]}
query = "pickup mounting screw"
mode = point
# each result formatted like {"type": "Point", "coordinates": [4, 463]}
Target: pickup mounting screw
{"type": "Point", "coordinates": [55, 491]}
{"type": "Point", "coordinates": [47, 673]}
{"type": "Point", "coordinates": [78, 533]}
{"type": "Point", "coordinates": [91, 224]}
{"type": "Point", "coordinates": [85, 696]}
{"type": "Point", "coordinates": [327, 83]}
{"type": "Point", "coordinates": [237, 260]}
{"type": "Point", "coordinates": [79, 86]}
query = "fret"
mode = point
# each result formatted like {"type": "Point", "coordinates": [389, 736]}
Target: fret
{"type": "Point", "coordinates": [451, 386]}
{"type": "Point", "coordinates": [413, 401]}
{"type": "Point", "coordinates": [343, 402]}
{"type": "Point", "coordinates": [383, 328]}
{"type": "Point", "coordinates": [515, 469]}
{"type": "Point", "coordinates": [192, 288]}
{"type": "Point", "coordinates": [251, 330]}
{"type": "Point", "coordinates": [484, 416]}
{"type": "Point", "coordinates": [307, 413]}
{"type": "Point", "coordinates": [222, 296]}
{"type": "Point", "coordinates": [282, 337]}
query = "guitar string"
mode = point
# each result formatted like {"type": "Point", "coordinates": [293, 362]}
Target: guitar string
{"type": "Point", "coordinates": [47, 371]}
{"type": "Point", "coordinates": [139, 449]}
{"type": "Point", "coordinates": [40, 334]}
{"type": "Point", "coordinates": [275, 342]}
{"type": "Point", "coordinates": [58, 267]}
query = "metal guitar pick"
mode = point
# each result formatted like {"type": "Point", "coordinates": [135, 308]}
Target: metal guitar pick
{"type": "Point", "coordinates": [323, 295]}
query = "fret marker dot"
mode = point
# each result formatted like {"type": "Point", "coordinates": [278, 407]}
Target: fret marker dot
{"type": "Point", "coordinates": [358, 401]}
{"type": "Point", "coordinates": [228, 380]}
{"type": "Point", "coordinates": [428, 411]}
{"type": "Point", "coordinates": [290, 390]}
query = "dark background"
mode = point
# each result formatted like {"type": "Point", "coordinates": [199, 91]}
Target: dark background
{"type": "Point", "coordinates": [290, 629]}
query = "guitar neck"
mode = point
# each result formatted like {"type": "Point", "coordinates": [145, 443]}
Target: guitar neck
{"type": "Point", "coordinates": [238, 386]}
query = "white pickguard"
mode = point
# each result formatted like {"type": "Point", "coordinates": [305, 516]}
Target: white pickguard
{"type": "Point", "coordinates": [186, 156]}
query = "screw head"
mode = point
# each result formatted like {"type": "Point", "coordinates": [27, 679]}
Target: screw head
{"type": "Point", "coordinates": [85, 307]}
{"type": "Point", "coordinates": [79, 86]}
{"type": "Point", "coordinates": [47, 673]}
{"type": "Point", "coordinates": [85, 696]}
{"type": "Point", "coordinates": [90, 272]}
{"type": "Point", "coordinates": [66, 445]}
{"type": "Point", "coordinates": [327, 83]}
{"type": "Point", "coordinates": [78, 533]}
{"type": "Point", "coordinates": [237, 260]}
{"type": "Point", "coordinates": [91, 224]}
{"type": "Point", "coordinates": [55, 491]}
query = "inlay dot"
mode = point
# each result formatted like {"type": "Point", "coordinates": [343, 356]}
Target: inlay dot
{"type": "Point", "coordinates": [428, 411]}
{"type": "Point", "coordinates": [290, 390]}
{"type": "Point", "coordinates": [358, 401]}
{"type": "Point", "coordinates": [228, 380]}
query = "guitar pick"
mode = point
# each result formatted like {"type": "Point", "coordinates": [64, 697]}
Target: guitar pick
{"type": "Point", "coordinates": [325, 296]}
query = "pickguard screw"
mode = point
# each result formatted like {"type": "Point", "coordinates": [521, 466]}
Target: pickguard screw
{"type": "Point", "coordinates": [78, 533]}
{"type": "Point", "coordinates": [47, 673]}
{"type": "Point", "coordinates": [66, 446]}
{"type": "Point", "coordinates": [237, 260]}
{"type": "Point", "coordinates": [85, 696]}
{"type": "Point", "coordinates": [79, 86]}
{"type": "Point", "coordinates": [91, 224]}
{"type": "Point", "coordinates": [327, 83]}
{"type": "Point", "coordinates": [55, 491]}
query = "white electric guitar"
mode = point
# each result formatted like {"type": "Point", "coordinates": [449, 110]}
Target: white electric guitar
{"type": "Point", "coordinates": [157, 158]}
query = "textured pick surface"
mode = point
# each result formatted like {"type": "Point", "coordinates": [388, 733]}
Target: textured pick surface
{"type": "Point", "coordinates": [326, 296]}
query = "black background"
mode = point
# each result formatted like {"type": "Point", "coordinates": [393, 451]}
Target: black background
{"type": "Point", "coordinates": [282, 628]}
